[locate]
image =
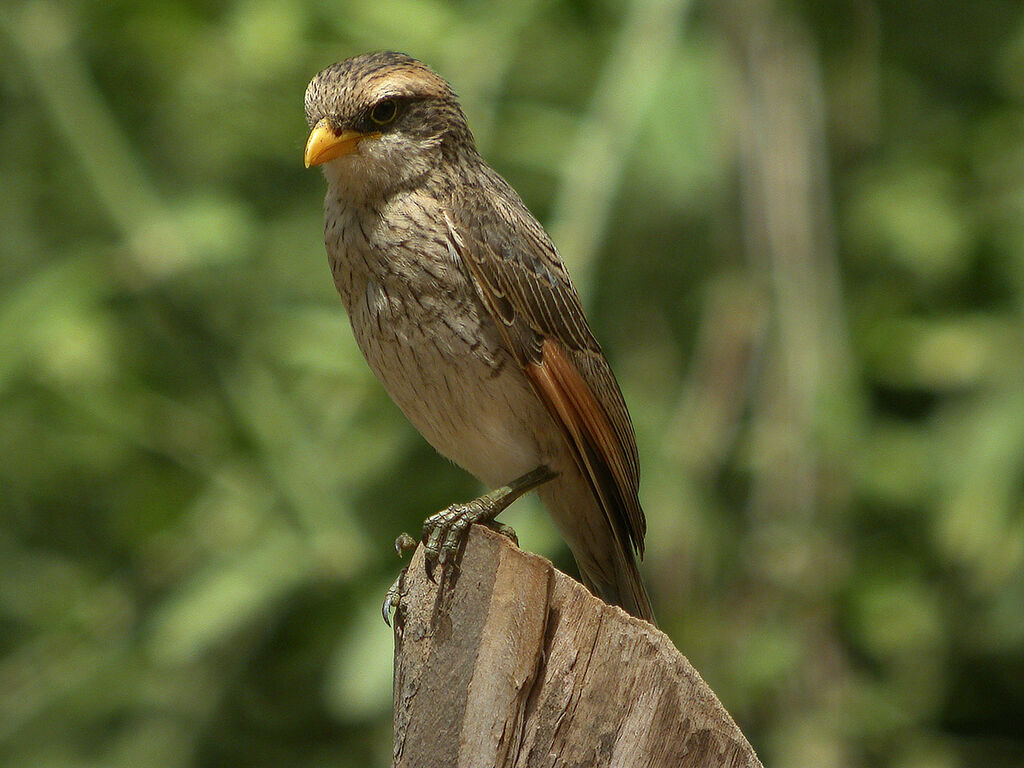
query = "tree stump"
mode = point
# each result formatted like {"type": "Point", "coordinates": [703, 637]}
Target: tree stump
{"type": "Point", "coordinates": [508, 662]}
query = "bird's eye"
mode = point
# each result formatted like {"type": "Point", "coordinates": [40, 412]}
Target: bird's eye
{"type": "Point", "coordinates": [384, 112]}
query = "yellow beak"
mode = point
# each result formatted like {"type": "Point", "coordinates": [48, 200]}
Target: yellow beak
{"type": "Point", "coordinates": [324, 144]}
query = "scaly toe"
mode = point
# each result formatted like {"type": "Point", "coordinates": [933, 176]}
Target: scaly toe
{"type": "Point", "coordinates": [432, 550]}
{"type": "Point", "coordinates": [453, 539]}
{"type": "Point", "coordinates": [436, 532]}
{"type": "Point", "coordinates": [392, 598]}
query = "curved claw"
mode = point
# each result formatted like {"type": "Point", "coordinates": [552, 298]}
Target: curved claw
{"type": "Point", "coordinates": [445, 532]}
{"type": "Point", "coordinates": [392, 598]}
{"type": "Point", "coordinates": [505, 530]}
{"type": "Point", "coordinates": [404, 543]}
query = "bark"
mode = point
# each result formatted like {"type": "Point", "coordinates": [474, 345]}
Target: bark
{"type": "Point", "coordinates": [508, 662]}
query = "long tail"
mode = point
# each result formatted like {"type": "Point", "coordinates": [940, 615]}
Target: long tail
{"type": "Point", "coordinates": [606, 568]}
{"type": "Point", "coordinates": [597, 508]}
{"type": "Point", "coordinates": [627, 591]}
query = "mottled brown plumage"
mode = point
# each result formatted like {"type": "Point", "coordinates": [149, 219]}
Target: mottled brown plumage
{"type": "Point", "coordinates": [464, 310]}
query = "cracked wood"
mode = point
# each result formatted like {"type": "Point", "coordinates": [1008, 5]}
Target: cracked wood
{"type": "Point", "coordinates": [510, 663]}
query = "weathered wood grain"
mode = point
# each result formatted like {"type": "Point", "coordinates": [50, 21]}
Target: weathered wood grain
{"type": "Point", "coordinates": [510, 663]}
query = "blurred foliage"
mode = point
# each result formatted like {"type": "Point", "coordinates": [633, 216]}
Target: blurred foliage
{"type": "Point", "coordinates": [799, 228]}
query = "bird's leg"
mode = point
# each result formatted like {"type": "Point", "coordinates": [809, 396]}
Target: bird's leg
{"type": "Point", "coordinates": [444, 532]}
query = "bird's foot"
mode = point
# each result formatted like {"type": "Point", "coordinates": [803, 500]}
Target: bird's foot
{"type": "Point", "coordinates": [445, 532]}
{"type": "Point", "coordinates": [404, 543]}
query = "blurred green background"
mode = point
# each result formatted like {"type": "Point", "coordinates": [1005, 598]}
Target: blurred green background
{"type": "Point", "coordinates": [799, 232]}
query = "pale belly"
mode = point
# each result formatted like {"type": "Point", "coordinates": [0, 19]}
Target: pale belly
{"type": "Point", "coordinates": [467, 398]}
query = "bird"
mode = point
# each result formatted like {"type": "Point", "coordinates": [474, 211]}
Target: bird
{"type": "Point", "coordinates": [465, 312]}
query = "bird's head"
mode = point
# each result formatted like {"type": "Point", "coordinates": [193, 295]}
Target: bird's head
{"type": "Point", "coordinates": [380, 122]}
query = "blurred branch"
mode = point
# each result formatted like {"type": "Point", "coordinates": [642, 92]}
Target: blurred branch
{"type": "Point", "coordinates": [710, 407]}
{"type": "Point", "coordinates": [512, 663]}
{"type": "Point", "coordinates": [789, 237]}
{"type": "Point", "coordinates": [42, 33]}
{"type": "Point", "coordinates": [642, 53]}
{"type": "Point", "coordinates": [483, 78]}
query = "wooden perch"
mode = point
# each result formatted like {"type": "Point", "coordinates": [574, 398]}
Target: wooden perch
{"type": "Point", "coordinates": [509, 662]}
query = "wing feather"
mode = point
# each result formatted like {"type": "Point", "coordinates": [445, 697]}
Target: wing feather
{"type": "Point", "coordinates": [524, 284]}
{"type": "Point", "coordinates": [599, 451]}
